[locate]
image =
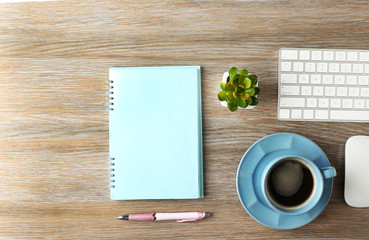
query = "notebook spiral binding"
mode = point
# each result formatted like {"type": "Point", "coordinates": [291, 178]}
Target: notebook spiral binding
{"type": "Point", "coordinates": [112, 159]}
{"type": "Point", "coordinates": [112, 172]}
{"type": "Point", "coordinates": [111, 95]}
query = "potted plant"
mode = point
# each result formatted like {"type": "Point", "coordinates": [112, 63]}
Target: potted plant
{"type": "Point", "coordinates": [238, 89]}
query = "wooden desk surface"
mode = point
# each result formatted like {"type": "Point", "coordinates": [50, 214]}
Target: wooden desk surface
{"type": "Point", "coordinates": [54, 60]}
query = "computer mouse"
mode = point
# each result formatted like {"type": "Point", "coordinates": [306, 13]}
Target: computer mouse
{"type": "Point", "coordinates": [357, 171]}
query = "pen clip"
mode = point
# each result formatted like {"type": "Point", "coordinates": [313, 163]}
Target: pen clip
{"type": "Point", "coordinates": [189, 220]}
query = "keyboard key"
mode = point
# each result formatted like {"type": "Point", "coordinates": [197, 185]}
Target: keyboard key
{"type": "Point", "coordinates": [354, 92]}
{"type": "Point", "coordinates": [359, 103]}
{"type": "Point", "coordinates": [352, 56]}
{"type": "Point", "coordinates": [347, 103]}
{"type": "Point", "coordinates": [340, 56]}
{"type": "Point", "coordinates": [286, 66]}
{"type": "Point", "coordinates": [298, 66]}
{"type": "Point", "coordinates": [290, 90]}
{"type": "Point", "coordinates": [335, 103]}
{"type": "Point", "coordinates": [341, 91]}
{"type": "Point", "coordinates": [334, 67]}
{"type": "Point", "coordinates": [322, 67]}
{"type": "Point", "coordinates": [316, 55]}
{"type": "Point", "coordinates": [330, 91]}
{"type": "Point", "coordinates": [321, 114]}
{"type": "Point", "coordinates": [363, 80]}
{"type": "Point", "coordinates": [315, 79]}
{"type": "Point", "coordinates": [323, 102]}
{"type": "Point", "coordinates": [364, 56]}
{"type": "Point", "coordinates": [311, 102]}
{"type": "Point", "coordinates": [318, 91]}
{"type": "Point", "coordinates": [289, 54]}
{"type": "Point", "coordinates": [351, 80]}
{"type": "Point", "coordinates": [346, 67]}
{"type": "Point", "coordinates": [303, 78]}
{"type": "Point", "coordinates": [364, 92]}
{"type": "Point", "coordinates": [296, 113]}
{"type": "Point", "coordinates": [306, 90]}
{"type": "Point", "coordinates": [304, 55]}
{"type": "Point", "coordinates": [284, 113]}
{"type": "Point", "coordinates": [289, 78]}
{"type": "Point", "coordinates": [357, 68]}
{"type": "Point", "coordinates": [328, 55]}
{"type": "Point", "coordinates": [309, 67]}
{"type": "Point", "coordinates": [339, 79]}
{"type": "Point", "coordinates": [308, 114]}
{"type": "Point", "coordinates": [327, 79]}
{"type": "Point", "coordinates": [292, 102]}
{"type": "Point", "coordinates": [366, 68]}
{"type": "Point", "coordinates": [349, 115]}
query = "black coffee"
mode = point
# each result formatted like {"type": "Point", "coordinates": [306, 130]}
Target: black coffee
{"type": "Point", "coordinates": [303, 192]}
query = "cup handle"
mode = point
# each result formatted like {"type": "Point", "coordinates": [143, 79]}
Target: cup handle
{"type": "Point", "coordinates": [329, 172]}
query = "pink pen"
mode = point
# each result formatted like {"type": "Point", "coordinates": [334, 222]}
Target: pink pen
{"type": "Point", "coordinates": [178, 217]}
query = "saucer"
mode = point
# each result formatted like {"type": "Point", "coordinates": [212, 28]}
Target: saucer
{"type": "Point", "coordinates": [249, 190]}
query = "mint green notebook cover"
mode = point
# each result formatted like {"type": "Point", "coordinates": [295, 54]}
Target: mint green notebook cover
{"type": "Point", "coordinates": [155, 133]}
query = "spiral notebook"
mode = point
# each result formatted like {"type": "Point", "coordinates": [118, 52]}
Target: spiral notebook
{"type": "Point", "coordinates": [155, 133]}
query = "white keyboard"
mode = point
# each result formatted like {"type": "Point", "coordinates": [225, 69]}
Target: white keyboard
{"type": "Point", "coordinates": [323, 85]}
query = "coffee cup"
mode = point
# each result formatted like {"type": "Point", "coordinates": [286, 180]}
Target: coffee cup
{"type": "Point", "coordinates": [293, 184]}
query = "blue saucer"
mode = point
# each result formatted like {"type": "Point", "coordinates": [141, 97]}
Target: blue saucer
{"type": "Point", "coordinates": [249, 190]}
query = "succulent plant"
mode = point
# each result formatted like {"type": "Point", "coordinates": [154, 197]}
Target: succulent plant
{"type": "Point", "coordinates": [240, 89]}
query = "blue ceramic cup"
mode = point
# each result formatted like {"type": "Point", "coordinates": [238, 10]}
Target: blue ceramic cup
{"type": "Point", "coordinates": [293, 184]}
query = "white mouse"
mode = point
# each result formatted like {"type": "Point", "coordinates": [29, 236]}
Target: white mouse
{"type": "Point", "coordinates": [357, 171]}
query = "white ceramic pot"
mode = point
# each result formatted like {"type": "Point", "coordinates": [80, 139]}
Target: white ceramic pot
{"type": "Point", "coordinates": [224, 103]}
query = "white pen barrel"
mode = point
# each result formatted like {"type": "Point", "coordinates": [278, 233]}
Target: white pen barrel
{"type": "Point", "coordinates": [180, 216]}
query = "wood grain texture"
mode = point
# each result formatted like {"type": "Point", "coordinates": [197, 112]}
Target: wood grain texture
{"type": "Point", "coordinates": [54, 60]}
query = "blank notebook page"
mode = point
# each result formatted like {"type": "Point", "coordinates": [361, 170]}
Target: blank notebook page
{"type": "Point", "coordinates": [155, 133]}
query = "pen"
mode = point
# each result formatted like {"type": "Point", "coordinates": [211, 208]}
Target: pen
{"type": "Point", "coordinates": [178, 217]}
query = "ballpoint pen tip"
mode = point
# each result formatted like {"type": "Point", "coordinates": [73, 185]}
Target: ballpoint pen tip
{"type": "Point", "coordinates": [207, 214]}
{"type": "Point", "coordinates": [124, 217]}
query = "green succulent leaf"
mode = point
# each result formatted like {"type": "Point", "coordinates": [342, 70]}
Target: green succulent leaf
{"type": "Point", "coordinates": [232, 107]}
{"type": "Point", "coordinates": [245, 95]}
{"type": "Point", "coordinates": [229, 95]}
{"type": "Point", "coordinates": [233, 101]}
{"type": "Point", "coordinates": [257, 91]}
{"type": "Point", "coordinates": [242, 79]}
{"type": "Point", "coordinates": [226, 87]}
{"type": "Point", "coordinates": [236, 81]}
{"type": "Point", "coordinates": [253, 78]}
{"type": "Point", "coordinates": [232, 71]}
{"type": "Point", "coordinates": [250, 91]}
{"type": "Point", "coordinates": [222, 85]}
{"type": "Point", "coordinates": [229, 87]}
{"type": "Point", "coordinates": [222, 96]}
{"type": "Point", "coordinates": [234, 76]}
{"type": "Point", "coordinates": [254, 100]}
{"type": "Point", "coordinates": [235, 94]}
{"type": "Point", "coordinates": [242, 103]}
{"type": "Point", "coordinates": [249, 101]}
{"type": "Point", "coordinates": [239, 90]}
{"type": "Point", "coordinates": [247, 83]}
{"type": "Point", "coordinates": [244, 72]}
